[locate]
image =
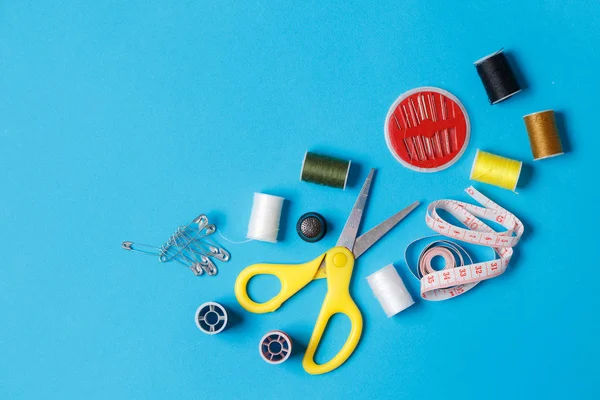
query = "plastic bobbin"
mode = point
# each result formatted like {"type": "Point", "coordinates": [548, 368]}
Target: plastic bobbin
{"type": "Point", "coordinates": [427, 129]}
{"type": "Point", "coordinates": [311, 227]}
{"type": "Point", "coordinates": [275, 347]}
{"type": "Point", "coordinates": [211, 318]}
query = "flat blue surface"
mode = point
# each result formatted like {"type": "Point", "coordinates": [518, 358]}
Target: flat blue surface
{"type": "Point", "coordinates": [121, 120]}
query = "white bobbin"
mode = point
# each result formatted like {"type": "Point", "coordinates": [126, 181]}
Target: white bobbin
{"type": "Point", "coordinates": [265, 217]}
{"type": "Point", "coordinates": [390, 291]}
{"type": "Point", "coordinates": [211, 318]}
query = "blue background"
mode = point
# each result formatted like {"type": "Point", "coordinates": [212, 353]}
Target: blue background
{"type": "Point", "coordinates": [121, 120]}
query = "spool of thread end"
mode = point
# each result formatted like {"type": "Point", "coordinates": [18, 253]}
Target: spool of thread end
{"type": "Point", "coordinates": [543, 134]}
{"type": "Point", "coordinates": [265, 217]}
{"type": "Point", "coordinates": [325, 170]}
{"type": "Point", "coordinates": [496, 170]}
{"type": "Point", "coordinates": [498, 78]}
{"type": "Point", "coordinates": [389, 289]}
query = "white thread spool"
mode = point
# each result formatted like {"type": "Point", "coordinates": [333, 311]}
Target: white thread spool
{"type": "Point", "coordinates": [265, 216]}
{"type": "Point", "coordinates": [390, 291]}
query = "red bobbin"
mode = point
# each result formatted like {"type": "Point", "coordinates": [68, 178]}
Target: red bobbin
{"type": "Point", "coordinates": [275, 347]}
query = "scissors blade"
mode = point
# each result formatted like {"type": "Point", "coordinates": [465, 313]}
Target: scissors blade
{"type": "Point", "coordinates": [366, 240]}
{"type": "Point", "coordinates": [348, 236]}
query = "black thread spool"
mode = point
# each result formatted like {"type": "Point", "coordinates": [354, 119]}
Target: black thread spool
{"type": "Point", "coordinates": [497, 77]}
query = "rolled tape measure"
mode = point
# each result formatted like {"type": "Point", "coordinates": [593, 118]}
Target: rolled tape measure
{"type": "Point", "coordinates": [451, 282]}
{"type": "Point", "coordinates": [427, 129]}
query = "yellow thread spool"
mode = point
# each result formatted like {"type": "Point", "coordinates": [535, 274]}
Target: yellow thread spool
{"type": "Point", "coordinates": [543, 134]}
{"type": "Point", "coordinates": [496, 170]}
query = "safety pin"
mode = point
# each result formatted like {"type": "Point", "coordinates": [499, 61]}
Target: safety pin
{"type": "Point", "coordinates": [209, 230]}
{"type": "Point", "coordinates": [210, 250]}
{"type": "Point", "coordinates": [196, 266]}
{"type": "Point", "coordinates": [195, 253]}
{"type": "Point", "coordinates": [193, 265]}
{"type": "Point", "coordinates": [208, 266]}
{"type": "Point", "coordinates": [191, 254]}
{"type": "Point", "coordinates": [189, 245]}
{"type": "Point", "coordinates": [214, 249]}
{"type": "Point", "coordinates": [181, 232]}
{"type": "Point", "coordinates": [130, 247]}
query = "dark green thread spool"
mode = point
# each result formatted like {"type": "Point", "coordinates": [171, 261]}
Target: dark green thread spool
{"type": "Point", "coordinates": [325, 170]}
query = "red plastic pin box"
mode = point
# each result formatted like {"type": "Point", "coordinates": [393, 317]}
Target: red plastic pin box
{"type": "Point", "coordinates": [427, 129]}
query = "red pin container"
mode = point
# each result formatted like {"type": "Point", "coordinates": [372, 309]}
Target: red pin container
{"type": "Point", "coordinates": [427, 129]}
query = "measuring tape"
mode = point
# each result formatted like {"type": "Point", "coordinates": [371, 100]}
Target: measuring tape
{"type": "Point", "coordinates": [455, 280]}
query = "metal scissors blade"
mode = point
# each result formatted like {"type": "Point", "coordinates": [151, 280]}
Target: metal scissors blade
{"type": "Point", "coordinates": [350, 231]}
{"type": "Point", "coordinates": [366, 240]}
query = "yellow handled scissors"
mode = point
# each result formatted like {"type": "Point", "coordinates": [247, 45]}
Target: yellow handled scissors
{"type": "Point", "coordinates": [336, 265]}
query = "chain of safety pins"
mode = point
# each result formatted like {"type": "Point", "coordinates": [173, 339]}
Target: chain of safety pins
{"type": "Point", "coordinates": [189, 245]}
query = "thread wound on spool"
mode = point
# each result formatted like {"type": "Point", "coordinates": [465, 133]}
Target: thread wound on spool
{"type": "Point", "coordinates": [390, 291]}
{"type": "Point", "coordinates": [497, 77]}
{"type": "Point", "coordinates": [325, 170]}
{"type": "Point", "coordinates": [543, 134]}
{"type": "Point", "coordinates": [496, 170]}
{"type": "Point", "coordinates": [265, 217]}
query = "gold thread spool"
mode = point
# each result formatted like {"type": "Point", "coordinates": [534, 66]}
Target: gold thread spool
{"type": "Point", "coordinates": [496, 170]}
{"type": "Point", "coordinates": [543, 134]}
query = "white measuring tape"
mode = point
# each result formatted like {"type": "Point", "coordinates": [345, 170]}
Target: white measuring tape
{"type": "Point", "coordinates": [455, 280]}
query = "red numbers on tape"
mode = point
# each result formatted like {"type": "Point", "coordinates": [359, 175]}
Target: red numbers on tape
{"type": "Point", "coordinates": [444, 284]}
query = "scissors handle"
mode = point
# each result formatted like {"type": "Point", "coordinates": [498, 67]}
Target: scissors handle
{"type": "Point", "coordinates": [339, 263]}
{"type": "Point", "coordinates": [292, 279]}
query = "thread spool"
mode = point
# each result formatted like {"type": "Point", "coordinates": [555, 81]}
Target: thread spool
{"type": "Point", "coordinates": [275, 347]}
{"type": "Point", "coordinates": [325, 170]}
{"type": "Point", "coordinates": [497, 77]}
{"type": "Point", "coordinates": [389, 289]}
{"type": "Point", "coordinates": [265, 217]}
{"type": "Point", "coordinates": [211, 318]}
{"type": "Point", "coordinates": [496, 170]}
{"type": "Point", "coordinates": [543, 134]}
